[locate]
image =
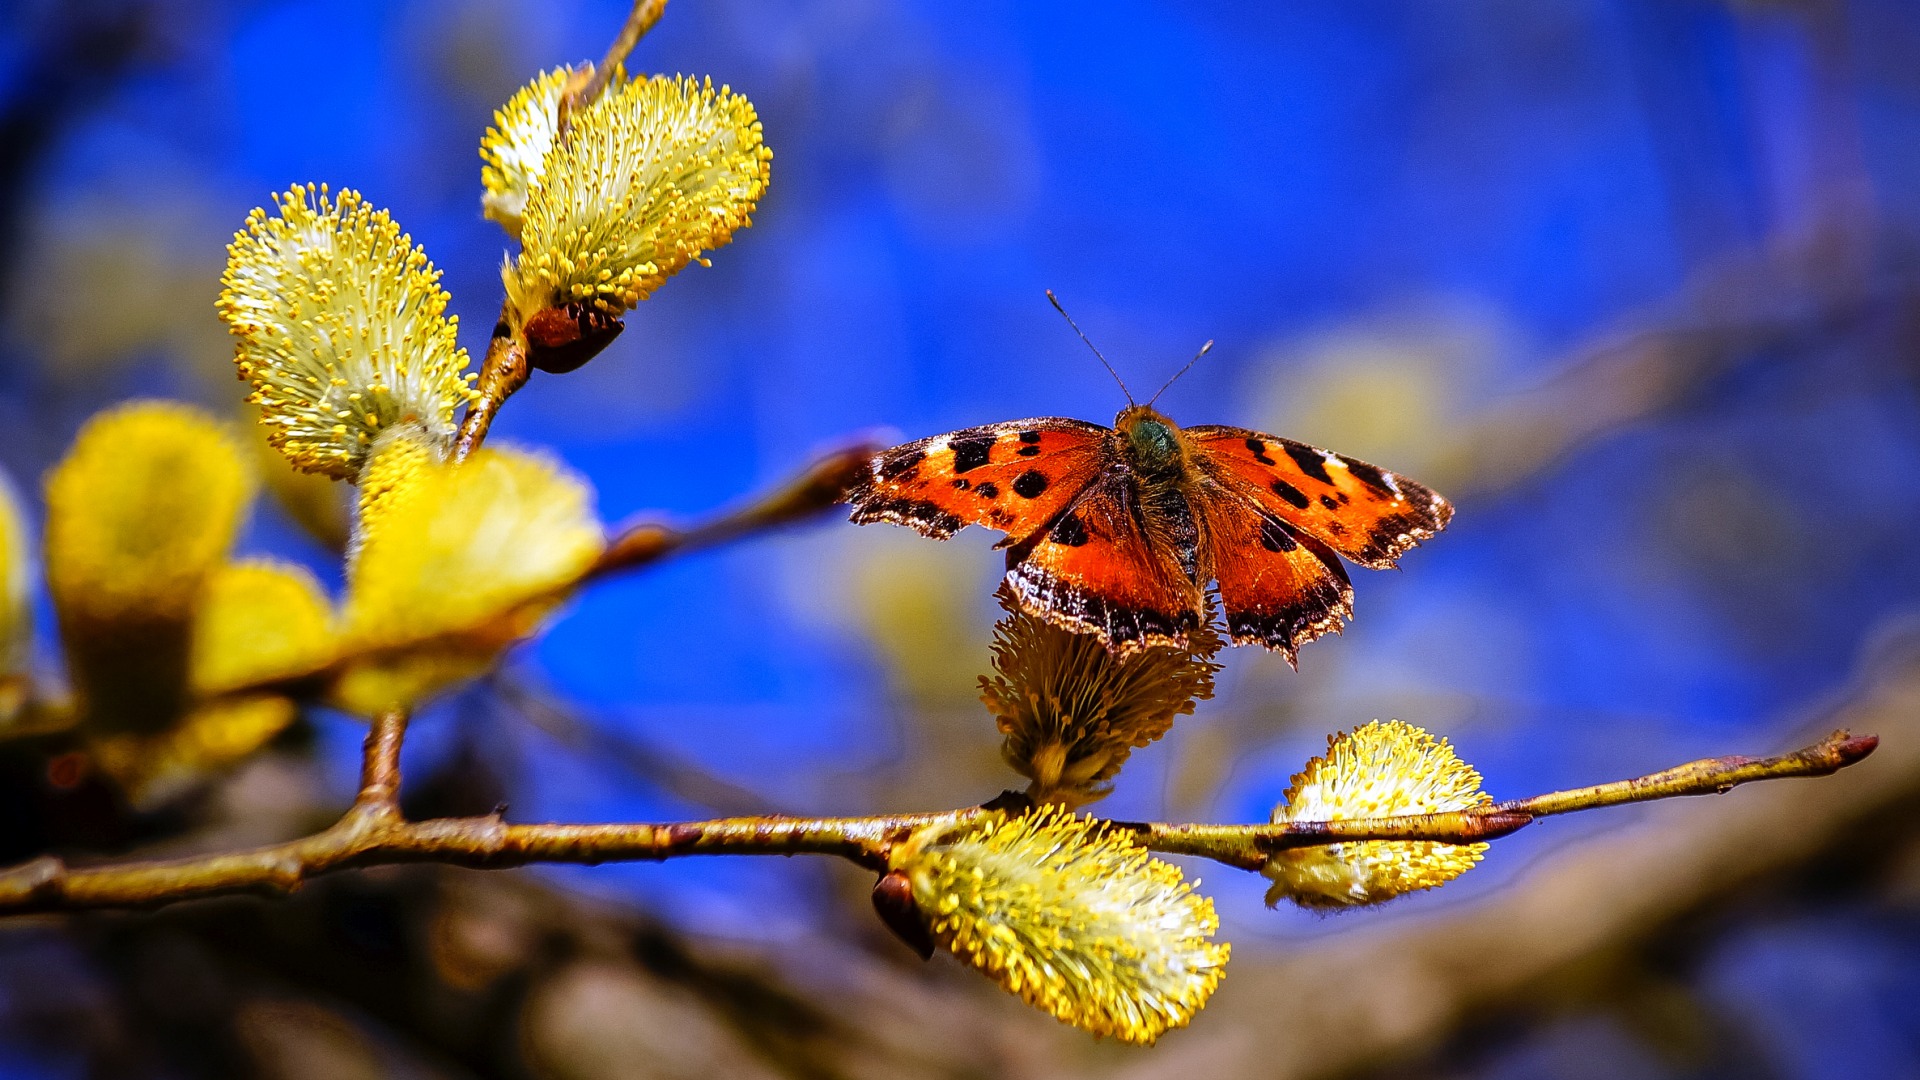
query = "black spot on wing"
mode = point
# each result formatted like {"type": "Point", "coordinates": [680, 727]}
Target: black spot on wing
{"type": "Point", "coordinates": [1319, 608]}
{"type": "Point", "coordinates": [894, 465]}
{"type": "Point", "coordinates": [1260, 452]}
{"type": "Point", "coordinates": [1310, 461]}
{"type": "Point", "coordinates": [988, 490]}
{"type": "Point", "coordinates": [1372, 476]}
{"type": "Point", "coordinates": [961, 483]}
{"type": "Point", "coordinates": [1030, 437]}
{"type": "Point", "coordinates": [1293, 495]}
{"type": "Point", "coordinates": [1329, 502]}
{"type": "Point", "coordinates": [971, 452]}
{"type": "Point", "coordinates": [1030, 484]}
{"type": "Point", "coordinates": [1069, 531]}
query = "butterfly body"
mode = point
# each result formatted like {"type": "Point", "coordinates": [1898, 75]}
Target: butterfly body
{"type": "Point", "coordinates": [1119, 531]}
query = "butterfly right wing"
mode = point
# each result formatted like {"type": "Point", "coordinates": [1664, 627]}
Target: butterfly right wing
{"type": "Point", "coordinates": [1095, 571]}
{"type": "Point", "coordinates": [1015, 477]}
{"type": "Point", "coordinates": [1364, 512]}
{"type": "Point", "coordinates": [1279, 587]}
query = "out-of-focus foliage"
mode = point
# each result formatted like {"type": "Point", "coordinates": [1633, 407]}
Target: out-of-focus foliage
{"type": "Point", "coordinates": [454, 562]}
{"type": "Point", "coordinates": [140, 513]}
{"type": "Point", "coordinates": [16, 611]}
{"type": "Point", "coordinates": [259, 619]}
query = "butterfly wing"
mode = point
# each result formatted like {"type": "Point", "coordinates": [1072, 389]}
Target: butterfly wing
{"type": "Point", "coordinates": [1278, 586]}
{"type": "Point", "coordinates": [1095, 570]}
{"type": "Point", "coordinates": [1364, 512]}
{"type": "Point", "coordinates": [1015, 477]}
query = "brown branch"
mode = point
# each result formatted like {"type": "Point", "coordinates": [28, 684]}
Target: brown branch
{"type": "Point", "coordinates": [373, 832]}
{"type": "Point", "coordinates": [502, 374]}
{"type": "Point", "coordinates": [639, 20]}
{"type": "Point", "coordinates": [823, 484]}
{"type": "Point", "coordinates": [1248, 846]}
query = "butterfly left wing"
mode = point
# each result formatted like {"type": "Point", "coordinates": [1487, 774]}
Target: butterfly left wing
{"type": "Point", "coordinates": [1095, 570]}
{"type": "Point", "coordinates": [1015, 477]}
{"type": "Point", "coordinates": [1362, 511]}
{"type": "Point", "coordinates": [1278, 586]}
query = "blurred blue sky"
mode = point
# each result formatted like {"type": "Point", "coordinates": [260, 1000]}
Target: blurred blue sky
{"type": "Point", "coordinates": [1397, 219]}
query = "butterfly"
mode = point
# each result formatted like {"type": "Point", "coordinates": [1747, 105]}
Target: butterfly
{"type": "Point", "coordinates": [1118, 531]}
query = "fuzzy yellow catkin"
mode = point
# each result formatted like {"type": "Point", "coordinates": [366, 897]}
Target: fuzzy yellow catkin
{"type": "Point", "coordinates": [650, 176]}
{"type": "Point", "coordinates": [340, 326]}
{"type": "Point", "coordinates": [259, 620]}
{"type": "Point", "coordinates": [16, 609]}
{"type": "Point", "coordinates": [1380, 770]}
{"type": "Point", "coordinates": [1071, 711]}
{"type": "Point", "coordinates": [515, 148]}
{"type": "Point", "coordinates": [454, 563]}
{"type": "Point", "coordinates": [1073, 917]}
{"type": "Point", "coordinates": [140, 512]}
{"type": "Point", "coordinates": [154, 769]}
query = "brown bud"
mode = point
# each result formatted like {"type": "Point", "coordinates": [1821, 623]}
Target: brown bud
{"type": "Point", "coordinates": [893, 899]}
{"type": "Point", "coordinates": [563, 338]}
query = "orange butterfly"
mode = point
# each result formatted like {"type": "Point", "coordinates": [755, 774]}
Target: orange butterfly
{"type": "Point", "coordinates": [1117, 531]}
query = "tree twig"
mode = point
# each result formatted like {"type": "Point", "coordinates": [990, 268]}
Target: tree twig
{"type": "Point", "coordinates": [1248, 846]}
{"type": "Point", "coordinates": [639, 20]}
{"type": "Point", "coordinates": [373, 832]}
{"type": "Point", "coordinates": [502, 373]}
{"type": "Point", "coordinates": [823, 484]}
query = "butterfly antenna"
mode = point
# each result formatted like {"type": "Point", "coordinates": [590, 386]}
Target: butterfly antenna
{"type": "Point", "coordinates": [1091, 345]}
{"type": "Point", "coordinates": [1177, 374]}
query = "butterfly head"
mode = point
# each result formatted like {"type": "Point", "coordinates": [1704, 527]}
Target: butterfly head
{"type": "Point", "coordinates": [1152, 440]}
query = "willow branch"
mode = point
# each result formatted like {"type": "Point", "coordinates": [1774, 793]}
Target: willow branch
{"type": "Point", "coordinates": [639, 20]}
{"type": "Point", "coordinates": [1248, 846]}
{"type": "Point", "coordinates": [823, 484]}
{"type": "Point", "coordinates": [502, 374]}
{"type": "Point", "coordinates": [374, 832]}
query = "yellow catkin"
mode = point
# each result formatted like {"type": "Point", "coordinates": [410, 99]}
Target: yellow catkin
{"type": "Point", "coordinates": [340, 326]}
{"type": "Point", "coordinates": [392, 473]}
{"type": "Point", "coordinates": [1071, 711]}
{"type": "Point", "coordinates": [140, 512]}
{"type": "Point", "coordinates": [153, 769]}
{"type": "Point", "coordinates": [649, 177]}
{"type": "Point", "coordinates": [1074, 918]}
{"type": "Point", "coordinates": [16, 609]}
{"type": "Point", "coordinates": [1380, 770]}
{"type": "Point", "coordinates": [515, 148]}
{"type": "Point", "coordinates": [259, 620]}
{"type": "Point", "coordinates": [458, 561]}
